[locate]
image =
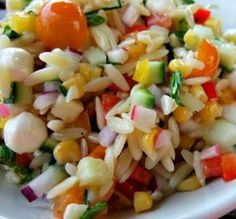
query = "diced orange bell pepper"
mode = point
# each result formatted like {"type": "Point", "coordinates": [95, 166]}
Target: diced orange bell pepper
{"type": "Point", "coordinates": [98, 152]}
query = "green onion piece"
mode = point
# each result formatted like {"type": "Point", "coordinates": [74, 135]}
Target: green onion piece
{"type": "Point", "coordinates": [183, 28]}
{"type": "Point", "coordinates": [93, 211]}
{"type": "Point", "coordinates": [176, 82]}
{"type": "Point", "coordinates": [95, 20]}
{"type": "Point", "coordinates": [188, 2]}
{"type": "Point", "coordinates": [6, 155]}
{"type": "Point", "coordinates": [10, 33]}
{"type": "Point", "coordinates": [63, 90]}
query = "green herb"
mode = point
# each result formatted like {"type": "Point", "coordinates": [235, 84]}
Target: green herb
{"type": "Point", "coordinates": [63, 90]}
{"type": "Point", "coordinates": [176, 82]}
{"type": "Point", "coordinates": [12, 98]}
{"type": "Point", "coordinates": [10, 33]}
{"type": "Point", "coordinates": [188, 2]}
{"type": "Point", "coordinates": [6, 155]}
{"type": "Point", "coordinates": [145, 3]}
{"type": "Point", "coordinates": [183, 28]}
{"type": "Point", "coordinates": [95, 19]}
{"type": "Point", "coordinates": [93, 211]}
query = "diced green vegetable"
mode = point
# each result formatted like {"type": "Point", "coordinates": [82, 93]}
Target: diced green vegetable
{"type": "Point", "coordinates": [176, 82]}
{"type": "Point", "coordinates": [95, 56]}
{"type": "Point", "coordinates": [227, 52]}
{"type": "Point", "coordinates": [188, 2]}
{"type": "Point", "coordinates": [112, 5]}
{"type": "Point", "coordinates": [95, 19]}
{"type": "Point", "coordinates": [6, 155]}
{"type": "Point", "coordinates": [182, 29]}
{"type": "Point", "coordinates": [93, 211]}
{"type": "Point", "coordinates": [49, 145]}
{"type": "Point", "coordinates": [10, 33]}
{"type": "Point", "coordinates": [157, 72]}
{"type": "Point", "coordinates": [63, 90]}
{"type": "Point", "coordinates": [12, 98]}
{"type": "Point", "coordinates": [142, 97]}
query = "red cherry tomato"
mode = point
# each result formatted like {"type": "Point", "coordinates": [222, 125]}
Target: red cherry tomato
{"type": "Point", "coordinates": [61, 25]}
{"type": "Point", "coordinates": [23, 159]}
{"type": "Point", "coordinates": [210, 90]}
{"type": "Point", "coordinates": [201, 15]}
{"type": "Point", "coordinates": [212, 167]}
{"type": "Point", "coordinates": [141, 176]}
{"type": "Point", "coordinates": [229, 166]}
{"type": "Point", "coordinates": [136, 28]}
{"type": "Point", "coordinates": [108, 101]}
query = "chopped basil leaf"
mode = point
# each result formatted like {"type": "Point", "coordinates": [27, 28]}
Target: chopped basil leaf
{"type": "Point", "coordinates": [93, 211]}
{"type": "Point", "coordinates": [176, 82]}
{"type": "Point", "coordinates": [188, 2]}
{"type": "Point", "coordinates": [10, 33]}
{"type": "Point", "coordinates": [95, 19]}
{"type": "Point", "coordinates": [63, 90]}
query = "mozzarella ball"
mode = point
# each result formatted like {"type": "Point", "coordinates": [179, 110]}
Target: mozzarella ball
{"type": "Point", "coordinates": [25, 133]}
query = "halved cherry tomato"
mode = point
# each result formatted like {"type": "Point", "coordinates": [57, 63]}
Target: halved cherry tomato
{"type": "Point", "coordinates": [212, 167]}
{"type": "Point", "coordinates": [129, 80]}
{"type": "Point", "coordinates": [24, 159]}
{"type": "Point", "coordinates": [98, 152]}
{"type": "Point", "coordinates": [208, 54]}
{"type": "Point", "coordinates": [136, 28]}
{"type": "Point", "coordinates": [83, 121]}
{"type": "Point", "coordinates": [229, 166]}
{"type": "Point", "coordinates": [73, 195]}
{"type": "Point", "coordinates": [141, 176]}
{"type": "Point", "coordinates": [201, 15]}
{"type": "Point", "coordinates": [108, 101]}
{"type": "Point", "coordinates": [159, 19]}
{"type": "Point", "coordinates": [127, 188]}
{"type": "Point", "coordinates": [61, 25]}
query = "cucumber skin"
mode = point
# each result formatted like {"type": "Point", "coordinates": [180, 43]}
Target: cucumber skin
{"type": "Point", "coordinates": [158, 72]}
{"type": "Point", "coordinates": [143, 97]}
{"type": "Point", "coordinates": [49, 145]}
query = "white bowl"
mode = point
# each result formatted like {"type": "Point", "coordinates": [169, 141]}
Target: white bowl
{"type": "Point", "coordinates": [211, 202]}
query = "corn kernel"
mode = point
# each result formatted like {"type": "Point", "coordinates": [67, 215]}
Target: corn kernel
{"type": "Point", "coordinates": [148, 139]}
{"type": "Point", "coordinates": [210, 112]}
{"type": "Point", "coordinates": [84, 70]}
{"type": "Point", "coordinates": [23, 22]}
{"type": "Point", "coordinates": [189, 184]}
{"type": "Point", "coordinates": [182, 114]}
{"type": "Point", "coordinates": [3, 121]}
{"type": "Point", "coordinates": [136, 50]}
{"type": "Point", "coordinates": [67, 151]}
{"type": "Point", "coordinates": [95, 72]}
{"type": "Point", "coordinates": [186, 142]}
{"type": "Point", "coordinates": [198, 91]}
{"type": "Point", "coordinates": [226, 96]}
{"type": "Point", "coordinates": [142, 201]}
{"type": "Point", "coordinates": [215, 24]}
{"type": "Point", "coordinates": [177, 64]}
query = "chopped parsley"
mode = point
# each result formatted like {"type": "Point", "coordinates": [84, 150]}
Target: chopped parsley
{"type": "Point", "coordinates": [95, 19]}
{"type": "Point", "coordinates": [188, 2]}
{"type": "Point", "coordinates": [10, 33]}
{"type": "Point", "coordinates": [176, 82]}
{"type": "Point", "coordinates": [94, 210]}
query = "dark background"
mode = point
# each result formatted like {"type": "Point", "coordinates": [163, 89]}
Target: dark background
{"type": "Point", "coordinates": [231, 215]}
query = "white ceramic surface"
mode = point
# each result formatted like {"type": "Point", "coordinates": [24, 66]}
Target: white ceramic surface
{"type": "Point", "coordinates": [211, 202]}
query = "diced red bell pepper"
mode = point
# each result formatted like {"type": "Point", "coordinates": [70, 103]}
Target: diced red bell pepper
{"type": "Point", "coordinates": [210, 90]}
{"type": "Point", "coordinates": [108, 101]}
{"type": "Point", "coordinates": [127, 188]}
{"type": "Point", "coordinates": [212, 167]}
{"type": "Point", "coordinates": [129, 80]}
{"type": "Point", "coordinates": [136, 28]}
{"type": "Point", "coordinates": [201, 15]}
{"type": "Point", "coordinates": [159, 19]}
{"type": "Point", "coordinates": [229, 166]}
{"type": "Point", "coordinates": [141, 176]}
{"type": "Point", "coordinates": [23, 159]}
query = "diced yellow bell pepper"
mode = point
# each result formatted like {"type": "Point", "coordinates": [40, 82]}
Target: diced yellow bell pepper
{"type": "Point", "coordinates": [23, 22]}
{"type": "Point", "coordinates": [191, 39]}
{"type": "Point", "coordinates": [141, 71]}
{"type": "Point", "coordinates": [182, 114]}
{"type": "Point", "coordinates": [189, 184]}
{"type": "Point", "coordinates": [136, 50]}
{"type": "Point", "coordinates": [142, 201]}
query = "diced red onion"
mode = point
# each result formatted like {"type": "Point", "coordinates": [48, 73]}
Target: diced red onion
{"type": "Point", "coordinates": [45, 100]}
{"type": "Point", "coordinates": [43, 183]}
{"type": "Point", "coordinates": [144, 118]}
{"type": "Point", "coordinates": [4, 111]}
{"type": "Point", "coordinates": [210, 152]}
{"type": "Point", "coordinates": [163, 139]}
{"type": "Point", "coordinates": [106, 136]}
{"type": "Point", "coordinates": [51, 86]}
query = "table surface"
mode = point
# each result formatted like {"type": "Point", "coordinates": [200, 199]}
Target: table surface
{"type": "Point", "coordinates": [231, 215]}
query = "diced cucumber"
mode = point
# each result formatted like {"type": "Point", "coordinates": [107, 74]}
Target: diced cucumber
{"type": "Point", "coordinates": [157, 72]}
{"type": "Point", "coordinates": [95, 56]}
{"type": "Point", "coordinates": [111, 5]}
{"type": "Point", "coordinates": [194, 36]}
{"type": "Point", "coordinates": [49, 145]}
{"type": "Point", "coordinates": [21, 94]}
{"type": "Point", "coordinates": [227, 52]}
{"type": "Point", "coordinates": [142, 97]}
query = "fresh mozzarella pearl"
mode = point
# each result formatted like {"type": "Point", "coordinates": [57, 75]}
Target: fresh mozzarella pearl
{"type": "Point", "coordinates": [18, 62]}
{"type": "Point", "coordinates": [25, 133]}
